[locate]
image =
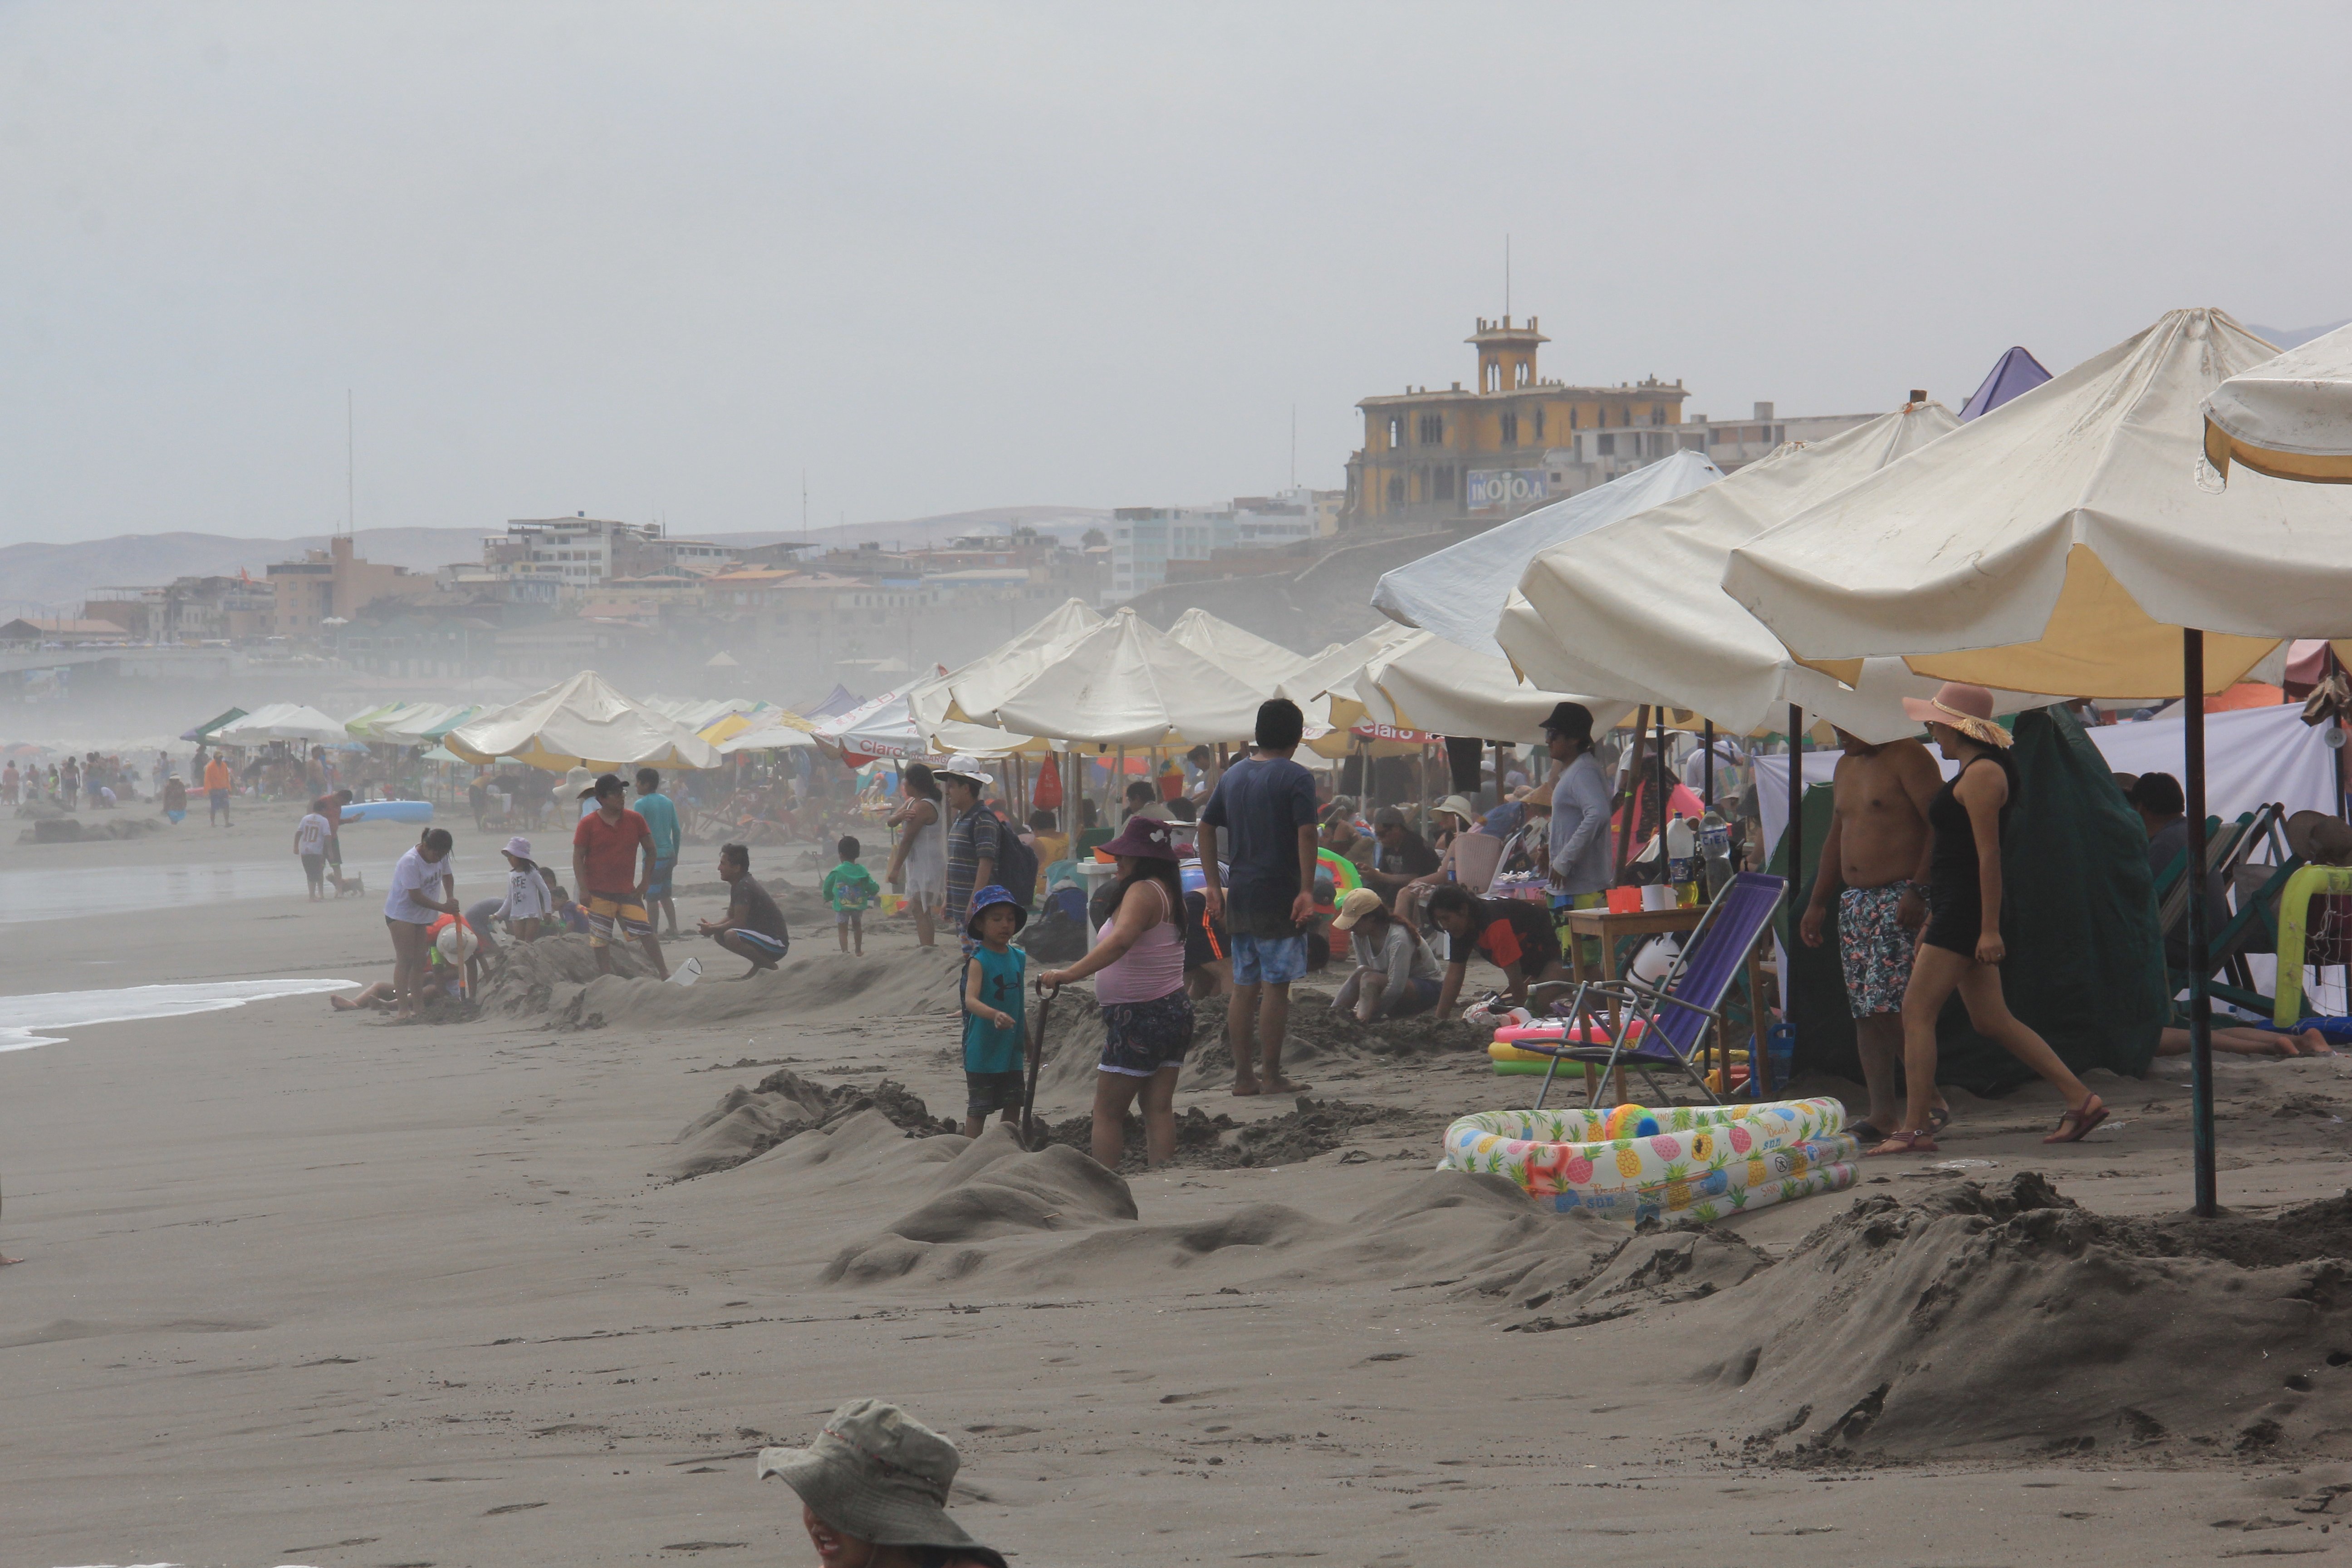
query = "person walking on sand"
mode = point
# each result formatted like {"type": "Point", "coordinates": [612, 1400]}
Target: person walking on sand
{"type": "Point", "coordinates": [1138, 962]}
{"type": "Point", "coordinates": [1581, 865]}
{"type": "Point", "coordinates": [612, 861]}
{"type": "Point", "coordinates": [753, 928]}
{"type": "Point", "coordinates": [217, 784]}
{"type": "Point", "coordinates": [1963, 949]}
{"type": "Point", "coordinates": [661, 814]}
{"type": "Point", "coordinates": [1874, 861]}
{"type": "Point", "coordinates": [1266, 805]}
{"type": "Point", "coordinates": [871, 1487]}
{"type": "Point", "coordinates": [311, 846]}
{"type": "Point", "coordinates": [920, 855]}
{"type": "Point", "coordinates": [176, 800]}
{"type": "Point", "coordinates": [849, 888]}
{"type": "Point", "coordinates": [424, 889]}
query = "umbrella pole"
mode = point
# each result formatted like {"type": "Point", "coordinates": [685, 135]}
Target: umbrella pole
{"type": "Point", "coordinates": [2200, 1004]}
{"type": "Point", "coordinates": [1633, 795]}
{"type": "Point", "coordinates": [1423, 788]}
{"type": "Point", "coordinates": [1663, 797]}
{"type": "Point", "coordinates": [1759, 1073]}
{"type": "Point", "coordinates": [1706, 776]}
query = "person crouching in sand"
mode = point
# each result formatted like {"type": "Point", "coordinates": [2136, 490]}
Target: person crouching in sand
{"type": "Point", "coordinates": [872, 1488]}
{"type": "Point", "coordinates": [423, 888]}
{"type": "Point", "coordinates": [753, 927]}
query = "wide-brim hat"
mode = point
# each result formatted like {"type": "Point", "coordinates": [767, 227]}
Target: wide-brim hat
{"type": "Point", "coordinates": [1967, 709]}
{"type": "Point", "coordinates": [2320, 838]}
{"type": "Point", "coordinates": [519, 847]}
{"type": "Point", "coordinates": [1145, 836]}
{"type": "Point", "coordinates": [1459, 808]}
{"type": "Point", "coordinates": [878, 1474]}
{"type": "Point", "coordinates": [965, 766]}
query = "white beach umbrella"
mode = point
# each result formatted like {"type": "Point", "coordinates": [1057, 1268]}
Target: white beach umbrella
{"type": "Point", "coordinates": [2290, 417]}
{"type": "Point", "coordinates": [580, 722]}
{"type": "Point", "coordinates": [1127, 683]}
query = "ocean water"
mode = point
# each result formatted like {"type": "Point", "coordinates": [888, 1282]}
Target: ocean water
{"type": "Point", "coordinates": [23, 1019]}
{"type": "Point", "coordinates": [52, 893]}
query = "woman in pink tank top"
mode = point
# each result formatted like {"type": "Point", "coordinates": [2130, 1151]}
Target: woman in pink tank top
{"type": "Point", "coordinates": [1139, 959]}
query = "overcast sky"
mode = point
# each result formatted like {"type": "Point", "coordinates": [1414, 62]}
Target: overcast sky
{"type": "Point", "coordinates": [655, 261]}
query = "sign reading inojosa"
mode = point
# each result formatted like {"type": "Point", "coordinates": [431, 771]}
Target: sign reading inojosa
{"type": "Point", "coordinates": [1492, 488]}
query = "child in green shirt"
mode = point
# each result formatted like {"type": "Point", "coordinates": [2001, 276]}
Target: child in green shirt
{"type": "Point", "coordinates": [994, 1014]}
{"type": "Point", "coordinates": [851, 889]}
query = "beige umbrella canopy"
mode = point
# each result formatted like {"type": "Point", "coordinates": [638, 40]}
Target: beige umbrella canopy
{"type": "Point", "coordinates": [580, 722]}
{"type": "Point", "coordinates": [1638, 608]}
{"type": "Point", "coordinates": [978, 686]}
{"type": "Point", "coordinates": [2290, 417]}
{"type": "Point", "coordinates": [1433, 685]}
{"type": "Point", "coordinates": [2064, 542]}
{"type": "Point", "coordinates": [1262, 664]}
{"type": "Point", "coordinates": [1127, 683]}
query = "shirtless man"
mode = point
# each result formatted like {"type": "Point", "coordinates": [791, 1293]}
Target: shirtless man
{"type": "Point", "coordinates": [1878, 849]}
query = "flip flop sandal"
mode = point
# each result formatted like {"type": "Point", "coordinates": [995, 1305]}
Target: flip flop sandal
{"type": "Point", "coordinates": [1868, 1133]}
{"type": "Point", "coordinates": [1940, 1118]}
{"type": "Point", "coordinates": [2094, 1111]}
{"type": "Point", "coordinates": [1919, 1142]}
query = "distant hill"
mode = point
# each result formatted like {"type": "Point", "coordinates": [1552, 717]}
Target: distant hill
{"type": "Point", "coordinates": [54, 579]}
{"type": "Point", "coordinates": [2295, 337]}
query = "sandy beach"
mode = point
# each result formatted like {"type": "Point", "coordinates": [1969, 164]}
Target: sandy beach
{"type": "Point", "coordinates": [308, 1287]}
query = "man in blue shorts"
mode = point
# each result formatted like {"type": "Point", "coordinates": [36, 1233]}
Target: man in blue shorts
{"type": "Point", "coordinates": [1264, 807]}
{"type": "Point", "coordinates": [753, 927]}
{"type": "Point", "coordinates": [661, 816]}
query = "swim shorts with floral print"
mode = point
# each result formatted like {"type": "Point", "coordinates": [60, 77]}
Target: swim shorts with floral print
{"type": "Point", "coordinates": [1876, 948]}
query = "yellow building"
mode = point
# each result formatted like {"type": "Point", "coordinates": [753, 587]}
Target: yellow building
{"type": "Point", "coordinates": [331, 583]}
{"type": "Point", "coordinates": [1479, 453]}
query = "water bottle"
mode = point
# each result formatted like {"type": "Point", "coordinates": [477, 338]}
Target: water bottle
{"type": "Point", "coordinates": [1682, 866]}
{"type": "Point", "coordinates": [1715, 848]}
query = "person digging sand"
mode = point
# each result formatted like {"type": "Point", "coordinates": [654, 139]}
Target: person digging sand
{"type": "Point", "coordinates": [753, 927]}
{"type": "Point", "coordinates": [872, 1488]}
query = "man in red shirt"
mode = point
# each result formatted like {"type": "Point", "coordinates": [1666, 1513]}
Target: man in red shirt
{"type": "Point", "coordinates": [611, 862]}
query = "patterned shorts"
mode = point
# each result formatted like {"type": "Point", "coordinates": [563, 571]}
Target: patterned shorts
{"type": "Point", "coordinates": [605, 913]}
{"type": "Point", "coordinates": [1142, 1038]}
{"type": "Point", "coordinates": [1876, 949]}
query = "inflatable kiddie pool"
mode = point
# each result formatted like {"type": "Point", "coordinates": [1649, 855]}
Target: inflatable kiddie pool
{"type": "Point", "coordinates": [1627, 1162]}
{"type": "Point", "coordinates": [411, 811]}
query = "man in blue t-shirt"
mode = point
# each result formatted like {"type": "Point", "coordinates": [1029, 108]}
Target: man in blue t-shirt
{"type": "Point", "coordinates": [1265, 806]}
{"type": "Point", "coordinates": [661, 817]}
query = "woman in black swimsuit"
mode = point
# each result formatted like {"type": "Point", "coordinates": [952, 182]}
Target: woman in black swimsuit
{"type": "Point", "coordinates": [1962, 948]}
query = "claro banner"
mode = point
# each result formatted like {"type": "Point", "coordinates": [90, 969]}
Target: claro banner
{"type": "Point", "coordinates": [1492, 490]}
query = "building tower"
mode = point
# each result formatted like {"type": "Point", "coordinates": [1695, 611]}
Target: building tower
{"type": "Point", "coordinates": [1506, 354]}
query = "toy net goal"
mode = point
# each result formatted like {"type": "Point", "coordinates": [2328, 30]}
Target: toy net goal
{"type": "Point", "coordinates": [2314, 945]}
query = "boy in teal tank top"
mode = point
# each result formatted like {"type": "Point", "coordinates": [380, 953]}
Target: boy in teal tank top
{"type": "Point", "coordinates": [994, 1014]}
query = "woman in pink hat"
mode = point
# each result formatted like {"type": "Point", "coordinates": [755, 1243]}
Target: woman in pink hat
{"type": "Point", "coordinates": [1962, 948]}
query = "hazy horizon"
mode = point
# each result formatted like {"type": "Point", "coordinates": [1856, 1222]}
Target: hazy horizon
{"type": "Point", "coordinates": [654, 263]}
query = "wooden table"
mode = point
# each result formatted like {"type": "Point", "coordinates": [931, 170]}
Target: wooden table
{"type": "Point", "coordinates": [1609, 927]}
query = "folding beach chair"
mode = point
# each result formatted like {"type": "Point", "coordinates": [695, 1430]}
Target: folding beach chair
{"type": "Point", "coordinates": [1673, 1018]}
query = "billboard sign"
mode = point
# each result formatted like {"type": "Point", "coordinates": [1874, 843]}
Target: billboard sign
{"type": "Point", "coordinates": [1493, 490]}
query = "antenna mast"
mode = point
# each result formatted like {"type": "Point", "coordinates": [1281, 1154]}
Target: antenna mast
{"type": "Point", "coordinates": [351, 485]}
{"type": "Point", "coordinates": [1507, 278]}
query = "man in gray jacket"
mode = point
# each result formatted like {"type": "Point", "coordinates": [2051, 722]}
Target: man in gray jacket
{"type": "Point", "coordinates": [1581, 867]}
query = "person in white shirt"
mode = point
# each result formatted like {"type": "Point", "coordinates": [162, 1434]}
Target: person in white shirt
{"type": "Point", "coordinates": [529, 896]}
{"type": "Point", "coordinates": [310, 844]}
{"type": "Point", "coordinates": [423, 886]}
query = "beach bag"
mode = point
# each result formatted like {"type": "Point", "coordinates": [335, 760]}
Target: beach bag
{"type": "Point", "coordinates": [1016, 869]}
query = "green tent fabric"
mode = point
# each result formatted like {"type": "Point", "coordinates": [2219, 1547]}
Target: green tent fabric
{"type": "Point", "coordinates": [2084, 964]}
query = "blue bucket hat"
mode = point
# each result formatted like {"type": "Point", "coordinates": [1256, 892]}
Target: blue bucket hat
{"type": "Point", "coordinates": [987, 898]}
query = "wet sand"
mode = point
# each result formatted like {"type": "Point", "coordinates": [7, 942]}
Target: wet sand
{"type": "Point", "coordinates": [309, 1287]}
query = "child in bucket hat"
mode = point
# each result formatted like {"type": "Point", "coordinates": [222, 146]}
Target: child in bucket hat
{"type": "Point", "coordinates": [874, 1487]}
{"type": "Point", "coordinates": [995, 1013]}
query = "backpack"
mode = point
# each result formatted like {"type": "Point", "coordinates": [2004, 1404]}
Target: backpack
{"type": "Point", "coordinates": [1017, 865]}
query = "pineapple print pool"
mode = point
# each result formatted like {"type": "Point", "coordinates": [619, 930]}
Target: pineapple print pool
{"type": "Point", "coordinates": [1631, 1164]}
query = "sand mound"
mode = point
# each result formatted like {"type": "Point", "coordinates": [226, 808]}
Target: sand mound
{"type": "Point", "coordinates": [559, 976]}
{"type": "Point", "coordinates": [994, 1189]}
{"type": "Point", "coordinates": [748, 1122]}
{"type": "Point", "coordinates": [2003, 1317]}
{"type": "Point", "coordinates": [1219, 1143]}
{"type": "Point", "coordinates": [55, 830]}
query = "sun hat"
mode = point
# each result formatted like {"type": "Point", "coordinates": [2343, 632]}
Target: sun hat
{"type": "Point", "coordinates": [605, 782]}
{"type": "Point", "coordinates": [519, 847]}
{"type": "Point", "coordinates": [965, 766]}
{"type": "Point", "coordinates": [2319, 837]}
{"type": "Point", "coordinates": [878, 1474]}
{"type": "Point", "coordinates": [1146, 837]}
{"type": "Point", "coordinates": [987, 898]}
{"type": "Point", "coordinates": [1967, 709]}
{"type": "Point", "coordinates": [1573, 720]}
{"type": "Point", "coordinates": [1359, 903]}
{"type": "Point", "coordinates": [1459, 808]}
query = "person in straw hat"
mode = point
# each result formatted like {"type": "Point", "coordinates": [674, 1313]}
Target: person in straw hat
{"type": "Point", "coordinates": [1962, 947]}
{"type": "Point", "coordinates": [874, 1489]}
